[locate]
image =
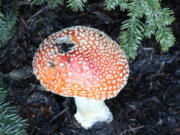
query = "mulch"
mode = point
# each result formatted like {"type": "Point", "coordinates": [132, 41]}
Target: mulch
{"type": "Point", "coordinates": [148, 105]}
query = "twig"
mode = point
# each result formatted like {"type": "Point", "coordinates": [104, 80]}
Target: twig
{"type": "Point", "coordinates": [131, 130]}
{"type": "Point", "coordinates": [22, 3]}
{"type": "Point", "coordinates": [148, 49]}
{"type": "Point", "coordinates": [37, 13]}
{"type": "Point", "coordinates": [57, 115]}
{"type": "Point", "coordinates": [51, 120]}
{"type": "Point", "coordinates": [23, 21]}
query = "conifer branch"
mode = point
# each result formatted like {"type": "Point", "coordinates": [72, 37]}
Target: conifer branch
{"type": "Point", "coordinates": [51, 3]}
{"type": "Point", "coordinates": [131, 36]}
{"type": "Point", "coordinates": [76, 5]}
{"type": "Point", "coordinates": [10, 122]}
{"type": "Point", "coordinates": [7, 24]}
{"type": "Point", "coordinates": [156, 20]}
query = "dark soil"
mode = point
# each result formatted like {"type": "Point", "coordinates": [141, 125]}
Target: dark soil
{"type": "Point", "coordinates": [148, 105]}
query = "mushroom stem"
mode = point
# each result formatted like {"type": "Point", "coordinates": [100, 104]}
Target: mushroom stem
{"type": "Point", "coordinates": [90, 111]}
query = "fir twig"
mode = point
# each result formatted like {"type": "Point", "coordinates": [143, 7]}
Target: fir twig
{"type": "Point", "coordinates": [156, 20]}
{"type": "Point", "coordinates": [10, 122]}
{"type": "Point", "coordinates": [76, 5]}
{"type": "Point", "coordinates": [7, 25]}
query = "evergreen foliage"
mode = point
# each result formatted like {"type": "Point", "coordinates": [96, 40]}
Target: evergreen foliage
{"type": "Point", "coordinates": [75, 5]}
{"type": "Point", "coordinates": [10, 122]}
{"type": "Point", "coordinates": [7, 24]}
{"type": "Point", "coordinates": [51, 3]}
{"type": "Point", "coordinates": [134, 30]}
{"type": "Point", "coordinates": [155, 21]}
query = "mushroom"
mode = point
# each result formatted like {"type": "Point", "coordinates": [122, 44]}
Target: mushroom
{"type": "Point", "coordinates": [86, 64]}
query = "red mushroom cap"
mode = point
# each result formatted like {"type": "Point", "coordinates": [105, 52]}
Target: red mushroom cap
{"type": "Point", "coordinates": [81, 62]}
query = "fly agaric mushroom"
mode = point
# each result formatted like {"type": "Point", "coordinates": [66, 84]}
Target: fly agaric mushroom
{"type": "Point", "coordinates": [86, 64]}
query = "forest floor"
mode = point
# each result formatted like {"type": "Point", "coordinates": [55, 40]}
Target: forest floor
{"type": "Point", "coordinates": [148, 105]}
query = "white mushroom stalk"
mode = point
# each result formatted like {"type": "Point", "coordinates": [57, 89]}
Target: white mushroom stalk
{"type": "Point", "coordinates": [91, 111]}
